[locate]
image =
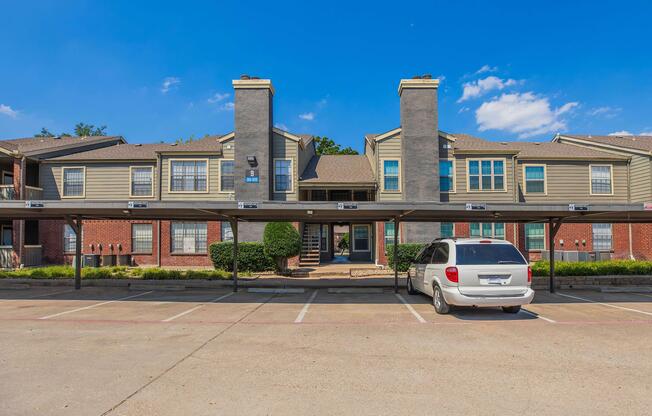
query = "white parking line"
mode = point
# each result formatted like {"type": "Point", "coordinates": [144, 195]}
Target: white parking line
{"type": "Point", "coordinates": [95, 305]}
{"type": "Point", "coordinates": [201, 305]}
{"type": "Point", "coordinates": [304, 310]}
{"type": "Point", "coordinates": [410, 308]}
{"type": "Point", "coordinates": [605, 304]}
{"type": "Point", "coordinates": [536, 315]}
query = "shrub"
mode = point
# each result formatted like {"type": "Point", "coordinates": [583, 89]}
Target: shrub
{"type": "Point", "coordinates": [406, 255]}
{"type": "Point", "coordinates": [97, 273]}
{"type": "Point", "coordinates": [281, 241]}
{"type": "Point", "coordinates": [155, 273]}
{"type": "Point", "coordinates": [251, 257]}
{"type": "Point", "coordinates": [596, 268]}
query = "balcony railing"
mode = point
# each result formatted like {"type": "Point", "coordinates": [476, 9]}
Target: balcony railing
{"type": "Point", "coordinates": [6, 257]}
{"type": "Point", "coordinates": [7, 192]}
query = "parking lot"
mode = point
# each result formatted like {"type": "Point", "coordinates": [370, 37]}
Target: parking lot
{"type": "Point", "coordinates": [120, 352]}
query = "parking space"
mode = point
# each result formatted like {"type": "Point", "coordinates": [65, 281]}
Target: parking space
{"type": "Point", "coordinates": [156, 352]}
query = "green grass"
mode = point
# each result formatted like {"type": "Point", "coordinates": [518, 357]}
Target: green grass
{"type": "Point", "coordinates": [594, 268]}
{"type": "Point", "coordinates": [115, 272]}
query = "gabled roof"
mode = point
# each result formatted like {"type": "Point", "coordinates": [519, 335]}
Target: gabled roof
{"type": "Point", "coordinates": [641, 143]}
{"type": "Point", "coordinates": [149, 151]}
{"type": "Point", "coordinates": [302, 139]}
{"type": "Point", "coordinates": [338, 170]}
{"type": "Point", "coordinates": [33, 146]}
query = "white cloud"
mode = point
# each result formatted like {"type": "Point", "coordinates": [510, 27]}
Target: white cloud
{"type": "Point", "coordinates": [627, 133]}
{"type": "Point", "coordinates": [525, 114]}
{"type": "Point", "coordinates": [281, 126]}
{"type": "Point", "coordinates": [307, 116]}
{"type": "Point", "coordinates": [463, 110]}
{"type": "Point", "coordinates": [441, 78]}
{"type": "Point", "coordinates": [229, 106]}
{"type": "Point", "coordinates": [606, 111]}
{"type": "Point", "coordinates": [486, 68]}
{"type": "Point", "coordinates": [169, 83]}
{"type": "Point", "coordinates": [8, 111]}
{"type": "Point", "coordinates": [646, 133]}
{"type": "Point", "coordinates": [217, 97]}
{"type": "Point", "coordinates": [480, 87]}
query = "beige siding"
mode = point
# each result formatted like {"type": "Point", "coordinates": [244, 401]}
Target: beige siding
{"type": "Point", "coordinates": [371, 156]}
{"type": "Point", "coordinates": [103, 180]}
{"type": "Point", "coordinates": [569, 182]}
{"type": "Point", "coordinates": [213, 180]}
{"type": "Point", "coordinates": [641, 179]}
{"type": "Point", "coordinates": [463, 195]}
{"type": "Point", "coordinates": [389, 148]}
{"type": "Point", "coordinates": [305, 155]}
{"type": "Point", "coordinates": [284, 148]}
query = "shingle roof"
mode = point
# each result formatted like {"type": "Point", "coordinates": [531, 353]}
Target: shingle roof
{"type": "Point", "coordinates": [35, 145]}
{"type": "Point", "coordinates": [632, 142]}
{"type": "Point", "coordinates": [145, 151]}
{"type": "Point", "coordinates": [338, 169]}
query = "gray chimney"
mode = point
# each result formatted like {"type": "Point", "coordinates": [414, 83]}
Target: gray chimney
{"type": "Point", "coordinates": [419, 150]}
{"type": "Point", "coordinates": [253, 145]}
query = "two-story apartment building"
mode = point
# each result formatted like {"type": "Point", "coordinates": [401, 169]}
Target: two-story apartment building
{"type": "Point", "coordinates": [258, 162]}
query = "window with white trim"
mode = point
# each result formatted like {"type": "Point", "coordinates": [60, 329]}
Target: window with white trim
{"type": "Point", "coordinates": [189, 237]}
{"type": "Point", "coordinates": [226, 231]}
{"type": "Point", "coordinates": [141, 238]}
{"type": "Point", "coordinates": [283, 175]}
{"type": "Point", "coordinates": [142, 181]}
{"type": "Point", "coordinates": [391, 175]}
{"type": "Point", "coordinates": [73, 182]}
{"type": "Point", "coordinates": [601, 180]}
{"type": "Point", "coordinates": [535, 237]}
{"type": "Point", "coordinates": [486, 174]}
{"type": "Point", "coordinates": [602, 237]}
{"type": "Point", "coordinates": [389, 234]}
{"type": "Point", "coordinates": [69, 239]}
{"type": "Point", "coordinates": [487, 229]}
{"type": "Point", "coordinates": [535, 179]}
{"type": "Point", "coordinates": [361, 237]}
{"type": "Point", "coordinates": [446, 176]}
{"type": "Point", "coordinates": [227, 175]}
{"type": "Point", "coordinates": [188, 176]}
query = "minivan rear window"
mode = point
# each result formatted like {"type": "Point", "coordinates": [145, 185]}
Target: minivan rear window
{"type": "Point", "coordinates": [476, 254]}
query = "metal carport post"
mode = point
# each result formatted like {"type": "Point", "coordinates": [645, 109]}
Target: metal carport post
{"type": "Point", "coordinates": [395, 248]}
{"type": "Point", "coordinates": [552, 232]}
{"type": "Point", "coordinates": [234, 230]}
{"type": "Point", "coordinates": [76, 226]}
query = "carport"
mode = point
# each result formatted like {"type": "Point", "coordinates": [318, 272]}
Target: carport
{"type": "Point", "coordinates": [74, 212]}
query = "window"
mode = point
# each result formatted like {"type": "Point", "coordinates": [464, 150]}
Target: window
{"type": "Point", "coordinates": [323, 243]}
{"type": "Point", "coordinates": [389, 234]}
{"type": "Point", "coordinates": [487, 229]}
{"type": "Point", "coordinates": [141, 238]}
{"type": "Point", "coordinates": [391, 176]}
{"type": "Point", "coordinates": [447, 230]}
{"type": "Point", "coordinates": [440, 256]}
{"type": "Point", "coordinates": [602, 236]}
{"type": "Point", "coordinates": [601, 180]}
{"type": "Point", "coordinates": [484, 254]}
{"type": "Point", "coordinates": [69, 239]}
{"type": "Point", "coordinates": [535, 179]}
{"type": "Point", "coordinates": [282, 175]}
{"type": "Point", "coordinates": [426, 255]}
{"type": "Point", "coordinates": [535, 237]}
{"type": "Point", "coordinates": [486, 175]}
{"type": "Point", "coordinates": [446, 176]}
{"type": "Point", "coordinates": [142, 181]}
{"type": "Point", "coordinates": [188, 176]}
{"type": "Point", "coordinates": [189, 237]}
{"type": "Point", "coordinates": [227, 176]}
{"type": "Point", "coordinates": [7, 235]}
{"type": "Point", "coordinates": [361, 237]}
{"type": "Point", "coordinates": [73, 182]}
{"type": "Point", "coordinates": [226, 231]}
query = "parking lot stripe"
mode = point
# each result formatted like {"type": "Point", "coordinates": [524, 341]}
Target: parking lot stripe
{"type": "Point", "coordinates": [95, 305]}
{"type": "Point", "coordinates": [304, 310]}
{"type": "Point", "coordinates": [605, 304]}
{"type": "Point", "coordinates": [179, 315]}
{"type": "Point", "coordinates": [410, 308]}
{"type": "Point", "coordinates": [536, 315]}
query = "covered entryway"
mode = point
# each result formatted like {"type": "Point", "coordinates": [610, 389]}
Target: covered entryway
{"type": "Point", "coordinates": [339, 243]}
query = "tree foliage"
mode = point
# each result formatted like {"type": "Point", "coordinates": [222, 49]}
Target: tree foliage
{"type": "Point", "coordinates": [44, 133]}
{"type": "Point", "coordinates": [327, 146]}
{"type": "Point", "coordinates": [81, 130]}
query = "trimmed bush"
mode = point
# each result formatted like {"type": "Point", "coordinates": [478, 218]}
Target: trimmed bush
{"type": "Point", "coordinates": [594, 268]}
{"type": "Point", "coordinates": [280, 242]}
{"type": "Point", "coordinates": [406, 254]}
{"type": "Point", "coordinates": [251, 257]}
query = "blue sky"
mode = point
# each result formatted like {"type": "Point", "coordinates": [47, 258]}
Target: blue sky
{"type": "Point", "coordinates": [155, 71]}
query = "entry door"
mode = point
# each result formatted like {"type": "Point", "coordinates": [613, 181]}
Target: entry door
{"type": "Point", "coordinates": [436, 267]}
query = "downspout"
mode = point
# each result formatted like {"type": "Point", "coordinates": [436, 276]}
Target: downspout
{"type": "Point", "coordinates": [629, 200]}
{"type": "Point", "coordinates": [21, 223]}
{"type": "Point", "coordinates": [159, 180]}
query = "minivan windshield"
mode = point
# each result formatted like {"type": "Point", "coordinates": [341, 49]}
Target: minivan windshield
{"type": "Point", "coordinates": [487, 253]}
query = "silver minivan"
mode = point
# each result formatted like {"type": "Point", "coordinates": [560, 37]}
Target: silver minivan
{"type": "Point", "coordinates": [472, 272]}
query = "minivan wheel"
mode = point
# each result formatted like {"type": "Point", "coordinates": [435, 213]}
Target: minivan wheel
{"type": "Point", "coordinates": [410, 288]}
{"type": "Point", "coordinates": [511, 309]}
{"type": "Point", "coordinates": [438, 301]}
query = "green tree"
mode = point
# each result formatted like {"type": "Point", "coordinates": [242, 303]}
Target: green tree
{"type": "Point", "coordinates": [281, 241]}
{"type": "Point", "coordinates": [327, 146]}
{"type": "Point", "coordinates": [44, 133]}
{"type": "Point", "coordinates": [83, 129]}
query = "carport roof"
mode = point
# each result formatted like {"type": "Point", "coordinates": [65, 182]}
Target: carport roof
{"type": "Point", "coordinates": [329, 211]}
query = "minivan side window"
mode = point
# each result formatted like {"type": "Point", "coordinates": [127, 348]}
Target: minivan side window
{"type": "Point", "coordinates": [426, 255]}
{"type": "Point", "coordinates": [441, 254]}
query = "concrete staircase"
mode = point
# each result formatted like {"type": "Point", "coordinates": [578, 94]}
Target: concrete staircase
{"type": "Point", "coordinates": [310, 246]}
